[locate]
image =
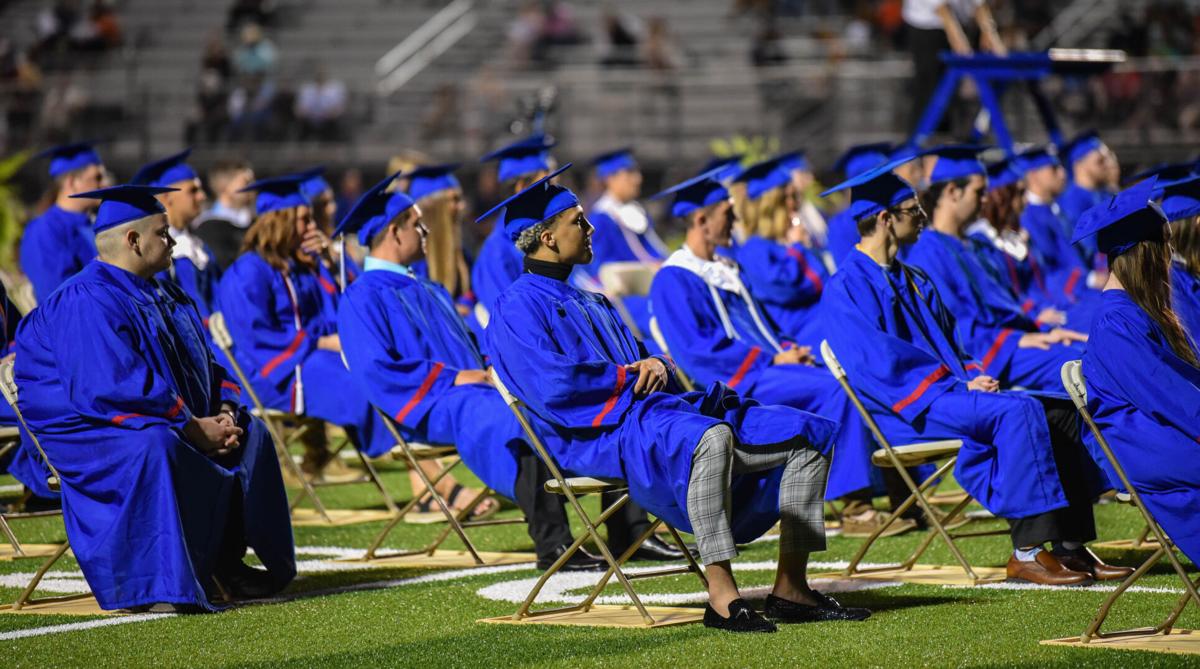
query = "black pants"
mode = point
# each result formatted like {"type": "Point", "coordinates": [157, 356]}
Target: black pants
{"type": "Point", "coordinates": [925, 46]}
{"type": "Point", "coordinates": [1074, 522]}
{"type": "Point", "coordinates": [546, 515]}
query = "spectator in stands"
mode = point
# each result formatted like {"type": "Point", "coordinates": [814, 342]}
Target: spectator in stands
{"type": "Point", "coordinates": [54, 24]}
{"type": "Point", "coordinates": [937, 25]}
{"type": "Point", "coordinates": [321, 105]}
{"type": "Point", "coordinates": [619, 38]}
{"type": "Point", "coordinates": [99, 31]}
{"type": "Point", "coordinates": [61, 107]}
{"type": "Point", "coordinates": [659, 51]}
{"type": "Point", "coordinates": [224, 224]}
{"type": "Point", "coordinates": [256, 55]}
{"type": "Point", "coordinates": [524, 31]}
{"type": "Point", "coordinates": [260, 12]}
{"type": "Point", "coordinates": [251, 106]}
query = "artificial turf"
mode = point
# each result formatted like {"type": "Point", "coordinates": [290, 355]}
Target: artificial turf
{"type": "Point", "coordinates": [433, 623]}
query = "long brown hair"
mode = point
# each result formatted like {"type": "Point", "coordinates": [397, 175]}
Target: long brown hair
{"type": "Point", "coordinates": [274, 237]}
{"type": "Point", "coordinates": [1145, 273]}
{"type": "Point", "coordinates": [443, 246]}
{"type": "Point", "coordinates": [1000, 207]}
{"type": "Point", "coordinates": [1185, 239]}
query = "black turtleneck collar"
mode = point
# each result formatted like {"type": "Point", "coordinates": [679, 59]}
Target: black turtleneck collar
{"type": "Point", "coordinates": [553, 270]}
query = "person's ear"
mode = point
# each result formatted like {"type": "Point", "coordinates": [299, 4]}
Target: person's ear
{"type": "Point", "coordinates": [547, 239]}
{"type": "Point", "coordinates": [133, 241]}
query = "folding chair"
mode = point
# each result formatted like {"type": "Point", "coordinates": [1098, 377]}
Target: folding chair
{"type": "Point", "coordinates": [901, 458]}
{"type": "Point", "coordinates": [10, 439]}
{"type": "Point", "coordinates": [414, 454]}
{"type": "Point", "coordinates": [655, 332]}
{"type": "Point", "coordinates": [8, 386]}
{"type": "Point", "coordinates": [281, 422]}
{"type": "Point", "coordinates": [573, 488]}
{"type": "Point", "coordinates": [1072, 378]}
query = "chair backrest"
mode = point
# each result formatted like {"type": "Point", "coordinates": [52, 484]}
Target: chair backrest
{"type": "Point", "coordinates": [1072, 380]}
{"type": "Point", "coordinates": [219, 331]}
{"type": "Point", "coordinates": [627, 278]}
{"type": "Point", "coordinates": [8, 386]}
{"type": "Point", "coordinates": [481, 314]}
{"type": "Point", "coordinates": [831, 361]}
{"type": "Point", "coordinates": [509, 399]}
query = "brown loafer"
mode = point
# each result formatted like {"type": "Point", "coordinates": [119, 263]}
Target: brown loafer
{"type": "Point", "coordinates": [1045, 569]}
{"type": "Point", "coordinates": [1086, 561]}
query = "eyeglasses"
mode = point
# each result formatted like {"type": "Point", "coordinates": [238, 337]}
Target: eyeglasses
{"type": "Point", "coordinates": [914, 211]}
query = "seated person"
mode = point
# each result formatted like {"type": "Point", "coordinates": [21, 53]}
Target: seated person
{"type": "Point", "coordinates": [1181, 205]}
{"type": "Point", "coordinates": [166, 479]}
{"type": "Point", "coordinates": [337, 267]}
{"type": "Point", "coordinates": [413, 356]}
{"type": "Point", "coordinates": [1016, 348]}
{"type": "Point", "coordinates": [717, 330]}
{"type": "Point", "coordinates": [795, 166]}
{"type": "Point", "coordinates": [1088, 169]}
{"type": "Point", "coordinates": [59, 242]}
{"type": "Point", "coordinates": [616, 412]}
{"type": "Point", "coordinates": [1022, 457]}
{"type": "Point", "coordinates": [779, 268]}
{"type": "Point", "coordinates": [843, 234]}
{"type": "Point", "coordinates": [193, 266]}
{"type": "Point", "coordinates": [1141, 366]}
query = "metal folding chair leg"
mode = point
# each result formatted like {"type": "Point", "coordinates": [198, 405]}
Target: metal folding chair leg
{"type": "Point", "coordinates": [26, 596]}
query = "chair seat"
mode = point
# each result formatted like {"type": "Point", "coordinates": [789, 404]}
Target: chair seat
{"type": "Point", "coordinates": [272, 413]}
{"type": "Point", "coordinates": [918, 454]}
{"type": "Point", "coordinates": [424, 451]}
{"type": "Point", "coordinates": [9, 433]}
{"type": "Point", "coordinates": [584, 485]}
{"type": "Point", "coordinates": [1123, 498]}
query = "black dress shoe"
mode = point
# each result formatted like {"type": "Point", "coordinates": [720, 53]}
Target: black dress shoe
{"type": "Point", "coordinates": [784, 611]}
{"type": "Point", "coordinates": [658, 550]}
{"type": "Point", "coordinates": [741, 618]}
{"type": "Point", "coordinates": [581, 560]}
{"type": "Point", "coordinates": [245, 582]}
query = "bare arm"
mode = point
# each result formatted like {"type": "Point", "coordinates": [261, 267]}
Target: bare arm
{"type": "Point", "coordinates": [989, 36]}
{"type": "Point", "coordinates": [954, 32]}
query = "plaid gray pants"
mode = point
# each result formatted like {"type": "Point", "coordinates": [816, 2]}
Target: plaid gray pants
{"type": "Point", "coordinates": [719, 457]}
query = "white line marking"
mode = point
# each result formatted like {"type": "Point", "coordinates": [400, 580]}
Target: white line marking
{"type": "Point", "coordinates": [85, 625]}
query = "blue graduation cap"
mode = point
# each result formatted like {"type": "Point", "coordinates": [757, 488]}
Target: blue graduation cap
{"type": "Point", "coordinates": [702, 190]}
{"type": "Point", "coordinates": [523, 157]}
{"type": "Point", "coordinates": [540, 202]}
{"type": "Point", "coordinates": [1165, 172]}
{"type": "Point", "coordinates": [430, 180]}
{"type": "Point", "coordinates": [165, 172]}
{"type": "Point", "coordinates": [1005, 173]}
{"type": "Point", "coordinates": [373, 211]}
{"type": "Point", "coordinates": [761, 178]}
{"type": "Point", "coordinates": [904, 152]}
{"type": "Point", "coordinates": [1181, 199]}
{"type": "Point", "coordinates": [608, 164]}
{"type": "Point", "coordinates": [278, 193]}
{"type": "Point", "coordinates": [1083, 144]}
{"type": "Point", "coordinates": [313, 183]}
{"type": "Point", "coordinates": [1038, 157]}
{"type": "Point", "coordinates": [724, 169]}
{"type": "Point", "coordinates": [794, 161]}
{"type": "Point", "coordinates": [1123, 220]}
{"type": "Point", "coordinates": [70, 157]}
{"type": "Point", "coordinates": [858, 159]}
{"type": "Point", "coordinates": [875, 190]}
{"type": "Point", "coordinates": [955, 161]}
{"type": "Point", "coordinates": [125, 203]}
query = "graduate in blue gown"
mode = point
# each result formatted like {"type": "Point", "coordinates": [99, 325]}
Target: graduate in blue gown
{"type": "Point", "coordinates": [281, 312]}
{"type": "Point", "coordinates": [60, 241]}
{"type": "Point", "coordinates": [780, 269]}
{"type": "Point", "coordinates": [193, 267]}
{"type": "Point", "coordinates": [337, 267]}
{"type": "Point", "coordinates": [1018, 348]}
{"type": "Point", "coordinates": [1141, 366]}
{"type": "Point", "coordinates": [799, 172]}
{"type": "Point", "coordinates": [843, 235]}
{"type": "Point", "coordinates": [718, 331]}
{"type": "Point", "coordinates": [1181, 205]}
{"type": "Point", "coordinates": [617, 412]}
{"type": "Point", "coordinates": [1069, 276]}
{"type": "Point", "coordinates": [1022, 457]}
{"type": "Point", "coordinates": [166, 479]}
{"type": "Point", "coordinates": [1087, 169]}
{"type": "Point", "coordinates": [499, 264]}
{"type": "Point", "coordinates": [408, 349]}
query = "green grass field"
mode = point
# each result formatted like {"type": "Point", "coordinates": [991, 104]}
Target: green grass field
{"type": "Point", "coordinates": [406, 618]}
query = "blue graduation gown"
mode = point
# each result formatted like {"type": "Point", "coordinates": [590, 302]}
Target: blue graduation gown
{"type": "Point", "coordinates": [405, 343]}
{"type": "Point", "coordinates": [275, 322]}
{"type": "Point", "coordinates": [697, 339]}
{"type": "Point", "coordinates": [787, 280]}
{"type": "Point", "coordinates": [563, 351]}
{"type": "Point", "coordinates": [898, 344]}
{"type": "Point", "coordinates": [1146, 401]}
{"type": "Point", "coordinates": [199, 284]}
{"type": "Point", "coordinates": [55, 246]}
{"type": "Point", "coordinates": [1064, 267]}
{"type": "Point", "coordinates": [111, 368]}
{"type": "Point", "coordinates": [498, 265]}
{"type": "Point", "coordinates": [989, 318]}
{"type": "Point", "coordinates": [1185, 298]}
{"type": "Point", "coordinates": [1075, 200]}
{"type": "Point", "coordinates": [843, 235]}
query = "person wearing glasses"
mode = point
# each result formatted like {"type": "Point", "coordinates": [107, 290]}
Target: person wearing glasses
{"type": "Point", "coordinates": [1022, 456]}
